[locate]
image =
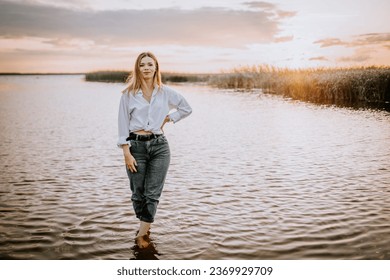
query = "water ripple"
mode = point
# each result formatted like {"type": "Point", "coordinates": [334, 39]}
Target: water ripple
{"type": "Point", "coordinates": [252, 176]}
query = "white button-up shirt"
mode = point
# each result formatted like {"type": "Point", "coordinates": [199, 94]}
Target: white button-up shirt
{"type": "Point", "coordinates": [136, 113]}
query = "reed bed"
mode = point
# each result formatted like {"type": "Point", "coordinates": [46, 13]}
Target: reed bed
{"type": "Point", "coordinates": [364, 86]}
{"type": "Point", "coordinates": [121, 76]}
{"type": "Point", "coordinates": [107, 76]}
{"type": "Point", "coordinates": [357, 87]}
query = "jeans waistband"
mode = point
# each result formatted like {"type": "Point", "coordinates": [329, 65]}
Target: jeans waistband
{"type": "Point", "coordinates": [140, 137]}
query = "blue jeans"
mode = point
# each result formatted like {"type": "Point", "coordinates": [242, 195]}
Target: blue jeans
{"type": "Point", "coordinates": [147, 183]}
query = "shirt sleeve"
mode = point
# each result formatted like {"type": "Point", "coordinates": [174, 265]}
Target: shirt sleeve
{"type": "Point", "coordinates": [123, 121]}
{"type": "Point", "coordinates": [178, 102]}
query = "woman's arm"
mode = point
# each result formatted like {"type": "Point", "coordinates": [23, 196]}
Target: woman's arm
{"type": "Point", "coordinates": [123, 121]}
{"type": "Point", "coordinates": [167, 119]}
{"type": "Point", "coordinates": [123, 132]}
{"type": "Point", "coordinates": [177, 101]}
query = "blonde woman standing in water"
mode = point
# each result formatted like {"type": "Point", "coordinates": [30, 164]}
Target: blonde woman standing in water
{"type": "Point", "coordinates": [143, 111]}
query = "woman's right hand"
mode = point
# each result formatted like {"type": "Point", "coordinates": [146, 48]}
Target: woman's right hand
{"type": "Point", "coordinates": [130, 161]}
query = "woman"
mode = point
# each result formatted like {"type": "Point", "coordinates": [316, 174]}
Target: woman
{"type": "Point", "coordinates": [143, 111]}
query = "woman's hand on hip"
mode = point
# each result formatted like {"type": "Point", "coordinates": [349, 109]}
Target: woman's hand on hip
{"type": "Point", "coordinates": [167, 119]}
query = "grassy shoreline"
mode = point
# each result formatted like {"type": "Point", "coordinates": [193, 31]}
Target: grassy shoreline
{"type": "Point", "coordinates": [121, 76]}
{"type": "Point", "coordinates": [353, 87]}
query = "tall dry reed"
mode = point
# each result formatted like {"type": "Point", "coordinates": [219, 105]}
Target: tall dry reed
{"type": "Point", "coordinates": [342, 86]}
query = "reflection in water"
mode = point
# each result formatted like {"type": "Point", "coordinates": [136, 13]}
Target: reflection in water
{"type": "Point", "coordinates": [148, 253]}
{"type": "Point", "coordinates": [252, 176]}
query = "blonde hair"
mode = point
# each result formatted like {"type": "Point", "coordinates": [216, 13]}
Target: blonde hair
{"type": "Point", "coordinates": [134, 79]}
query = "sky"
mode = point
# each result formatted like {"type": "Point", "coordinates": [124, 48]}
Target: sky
{"type": "Point", "coordinates": [195, 36]}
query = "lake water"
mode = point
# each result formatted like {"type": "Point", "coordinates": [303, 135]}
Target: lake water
{"type": "Point", "coordinates": [252, 176]}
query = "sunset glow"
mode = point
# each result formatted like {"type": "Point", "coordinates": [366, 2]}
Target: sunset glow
{"type": "Point", "coordinates": [191, 36]}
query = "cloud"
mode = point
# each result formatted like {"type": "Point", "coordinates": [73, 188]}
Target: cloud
{"type": "Point", "coordinates": [358, 41]}
{"type": "Point", "coordinates": [330, 42]}
{"type": "Point", "coordinates": [360, 55]}
{"type": "Point", "coordinates": [363, 45]}
{"type": "Point", "coordinates": [260, 5]}
{"type": "Point", "coordinates": [204, 26]}
{"type": "Point", "coordinates": [270, 7]}
{"type": "Point", "coordinates": [319, 58]}
{"type": "Point", "coordinates": [355, 58]}
{"type": "Point", "coordinates": [372, 38]}
{"type": "Point", "coordinates": [283, 39]}
{"type": "Point", "coordinates": [69, 4]}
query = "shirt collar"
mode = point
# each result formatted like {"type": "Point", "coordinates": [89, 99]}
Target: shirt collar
{"type": "Point", "coordinates": [155, 89]}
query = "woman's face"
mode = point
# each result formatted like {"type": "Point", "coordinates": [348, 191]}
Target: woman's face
{"type": "Point", "coordinates": [147, 67]}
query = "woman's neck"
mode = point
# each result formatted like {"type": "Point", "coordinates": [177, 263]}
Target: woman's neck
{"type": "Point", "coordinates": [147, 84]}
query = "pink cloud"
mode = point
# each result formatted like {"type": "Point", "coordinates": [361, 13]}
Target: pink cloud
{"type": "Point", "coordinates": [330, 42]}
{"type": "Point", "coordinates": [204, 26]}
{"type": "Point", "coordinates": [318, 58]}
{"type": "Point", "coordinates": [359, 40]}
{"type": "Point", "coordinates": [283, 39]}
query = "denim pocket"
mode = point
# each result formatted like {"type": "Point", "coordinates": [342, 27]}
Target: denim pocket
{"type": "Point", "coordinates": [135, 146]}
{"type": "Point", "coordinates": [161, 140]}
{"type": "Point", "coordinates": [136, 143]}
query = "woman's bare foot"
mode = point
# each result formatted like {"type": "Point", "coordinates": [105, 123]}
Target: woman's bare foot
{"type": "Point", "coordinates": [142, 241]}
{"type": "Point", "coordinates": [142, 235]}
